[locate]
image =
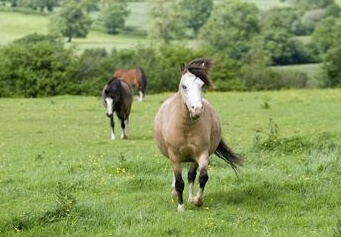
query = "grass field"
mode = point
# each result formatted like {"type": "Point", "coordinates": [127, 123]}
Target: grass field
{"type": "Point", "coordinates": [61, 175]}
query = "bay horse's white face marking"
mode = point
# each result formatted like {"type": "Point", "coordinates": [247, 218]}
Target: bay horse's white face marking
{"type": "Point", "coordinates": [191, 92]}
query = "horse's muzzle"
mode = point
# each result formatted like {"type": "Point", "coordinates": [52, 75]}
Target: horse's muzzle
{"type": "Point", "coordinates": [195, 112]}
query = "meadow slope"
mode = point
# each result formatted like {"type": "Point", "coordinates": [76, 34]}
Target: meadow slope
{"type": "Point", "coordinates": [61, 175]}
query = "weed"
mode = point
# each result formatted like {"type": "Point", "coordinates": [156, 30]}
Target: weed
{"type": "Point", "coordinates": [270, 140]}
{"type": "Point", "coordinates": [65, 199]}
{"type": "Point", "coordinates": [121, 158]}
{"type": "Point", "coordinates": [265, 103]}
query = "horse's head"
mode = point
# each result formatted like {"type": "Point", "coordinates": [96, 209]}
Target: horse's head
{"type": "Point", "coordinates": [112, 95]}
{"type": "Point", "coordinates": [194, 77]}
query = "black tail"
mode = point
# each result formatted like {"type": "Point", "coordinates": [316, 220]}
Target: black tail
{"type": "Point", "coordinates": [225, 153]}
{"type": "Point", "coordinates": [143, 80]}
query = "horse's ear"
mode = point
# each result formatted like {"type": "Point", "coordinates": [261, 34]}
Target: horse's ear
{"type": "Point", "coordinates": [183, 68]}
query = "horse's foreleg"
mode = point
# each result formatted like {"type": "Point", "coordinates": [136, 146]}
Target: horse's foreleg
{"type": "Point", "coordinates": [124, 123]}
{"type": "Point", "coordinates": [192, 173]}
{"type": "Point", "coordinates": [178, 185]}
{"type": "Point", "coordinates": [112, 125]}
{"type": "Point", "coordinates": [203, 178]}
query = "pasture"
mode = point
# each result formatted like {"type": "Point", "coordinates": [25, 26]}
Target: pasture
{"type": "Point", "coordinates": [61, 175]}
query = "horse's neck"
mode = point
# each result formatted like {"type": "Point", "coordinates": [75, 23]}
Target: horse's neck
{"type": "Point", "coordinates": [181, 109]}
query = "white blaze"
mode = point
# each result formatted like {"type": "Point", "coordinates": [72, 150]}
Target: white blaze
{"type": "Point", "coordinates": [109, 101]}
{"type": "Point", "coordinates": [191, 90]}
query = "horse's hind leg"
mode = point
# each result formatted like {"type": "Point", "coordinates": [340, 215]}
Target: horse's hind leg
{"type": "Point", "coordinates": [192, 173]}
{"type": "Point", "coordinates": [124, 123]}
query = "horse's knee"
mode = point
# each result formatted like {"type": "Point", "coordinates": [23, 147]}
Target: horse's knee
{"type": "Point", "coordinates": [203, 178]}
{"type": "Point", "coordinates": [192, 173]}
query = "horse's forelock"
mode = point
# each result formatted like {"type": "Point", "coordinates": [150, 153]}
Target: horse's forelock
{"type": "Point", "coordinates": [204, 63]}
{"type": "Point", "coordinates": [199, 67]}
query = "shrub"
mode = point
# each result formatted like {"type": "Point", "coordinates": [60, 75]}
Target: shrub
{"type": "Point", "coordinates": [33, 69]}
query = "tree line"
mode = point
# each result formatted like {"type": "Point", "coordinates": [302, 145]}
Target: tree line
{"type": "Point", "coordinates": [242, 40]}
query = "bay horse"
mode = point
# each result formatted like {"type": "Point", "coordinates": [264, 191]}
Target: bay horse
{"type": "Point", "coordinates": [187, 129]}
{"type": "Point", "coordinates": [135, 77]}
{"type": "Point", "coordinates": [117, 96]}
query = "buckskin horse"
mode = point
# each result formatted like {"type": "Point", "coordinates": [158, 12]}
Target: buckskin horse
{"type": "Point", "coordinates": [135, 77]}
{"type": "Point", "coordinates": [187, 129]}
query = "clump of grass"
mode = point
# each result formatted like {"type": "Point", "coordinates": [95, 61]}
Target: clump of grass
{"type": "Point", "coordinates": [337, 229]}
{"type": "Point", "coordinates": [66, 202]}
{"type": "Point", "coordinates": [271, 141]}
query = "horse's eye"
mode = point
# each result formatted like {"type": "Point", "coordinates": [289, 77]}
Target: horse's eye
{"type": "Point", "coordinates": [184, 87]}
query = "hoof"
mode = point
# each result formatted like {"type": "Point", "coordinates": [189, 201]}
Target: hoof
{"type": "Point", "coordinates": [181, 207]}
{"type": "Point", "coordinates": [190, 200]}
{"type": "Point", "coordinates": [197, 202]}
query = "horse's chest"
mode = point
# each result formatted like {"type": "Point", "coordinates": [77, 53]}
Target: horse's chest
{"type": "Point", "coordinates": [189, 142]}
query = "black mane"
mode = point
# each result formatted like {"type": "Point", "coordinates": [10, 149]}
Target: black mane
{"type": "Point", "coordinates": [200, 67]}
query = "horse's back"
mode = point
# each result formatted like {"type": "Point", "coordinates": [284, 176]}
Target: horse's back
{"type": "Point", "coordinates": [128, 75]}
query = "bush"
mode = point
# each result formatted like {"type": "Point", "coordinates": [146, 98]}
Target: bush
{"type": "Point", "coordinates": [34, 69]}
{"type": "Point", "coordinates": [89, 73]}
{"type": "Point", "coordinates": [294, 79]}
{"type": "Point", "coordinates": [260, 77]}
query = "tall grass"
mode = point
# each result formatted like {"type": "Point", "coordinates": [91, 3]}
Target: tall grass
{"type": "Point", "coordinates": [61, 175]}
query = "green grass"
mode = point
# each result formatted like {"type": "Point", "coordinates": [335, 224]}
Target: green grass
{"type": "Point", "coordinates": [61, 175]}
{"type": "Point", "coordinates": [267, 4]}
{"type": "Point", "coordinates": [16, 25]}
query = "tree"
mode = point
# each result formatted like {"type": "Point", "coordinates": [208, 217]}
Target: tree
{"type": "Point", "coordinates": [286, 18]}
{"type": "Point", "coordinates": [281, 48]}
{"type": "Point", "coordinates": [166, 22]}
{"type": "Point", "coordinates": [327, 33]}
{"type": "Point", "coordinates": [332, 67]}
{"type": "Point", "coordinates": [71, 21]}
{"type": "Point", "coordinates": [231, 27]}
{"type": "Point", "coordinates": [197, 13]}
{"type": "Point", "coordinates": [41, 4]}
{"type": "Point", "coordinates": [309, 4]}
{"type": "Point", "coordinates": [114, 17]}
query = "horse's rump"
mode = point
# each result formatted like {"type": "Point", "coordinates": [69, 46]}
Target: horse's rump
{"type": "Point", "coordinates": [136, 77]}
